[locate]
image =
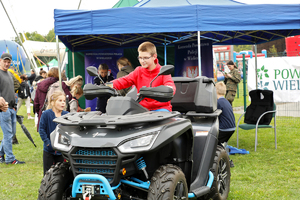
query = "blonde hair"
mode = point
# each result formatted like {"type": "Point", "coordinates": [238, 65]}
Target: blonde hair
{"type": "Point", "coordinates": [54, 97]}
{"type": "Point", "coordinates": [147, 47]}
{"type": "Point", "coordinates": [77, 80]}
{"type": "Point", "coordinates": [124, 61]}
{"type": "Point", "coordinates": [221, 88]}
{"type": "Point", "coordinates": [76, 90]}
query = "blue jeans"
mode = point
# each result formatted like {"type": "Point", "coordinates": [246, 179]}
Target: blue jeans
{"type": "Point", "coordinates": [161, 110]}
{"type": "Point", "coordinates": [8, 125]}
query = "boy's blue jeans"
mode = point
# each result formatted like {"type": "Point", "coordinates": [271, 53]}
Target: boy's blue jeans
{"type": "Point", "coordinates": [8, 125]}
{"type": "Point", "coordinates": [161, 110]}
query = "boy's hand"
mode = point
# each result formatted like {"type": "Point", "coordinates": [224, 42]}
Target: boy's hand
{"type": "Point", "coordinates": [88, 109]}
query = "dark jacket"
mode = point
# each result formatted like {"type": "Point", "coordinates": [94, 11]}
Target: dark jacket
{"type": "Point", "coordinates": [101, 102]}
{"type": "Point", "coordinates": [38, 78]}
{"type": "Point", "coordinates": [41, 92]}
{"type": "Point", "coordinates": [124, 72]}
{"type": "Point", "coordinates": [226, 118]}
{"type": "Point", "coordinates": [47, 126]}
{"type": "Point", "coordinates": [26, 92]}
{"type": "Point", "coordinates": [31, 78]}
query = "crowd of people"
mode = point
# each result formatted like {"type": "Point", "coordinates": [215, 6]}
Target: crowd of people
{"type": "Point", "coordinates": [50, 102]}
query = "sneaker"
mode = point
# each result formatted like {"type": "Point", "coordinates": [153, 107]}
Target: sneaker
{"type": "Point", "coordinates": [231, 163]}
{"type": "Point", "coordinates": [2, 159]}
{"type": "Point", "coordinates": [30, 117]}
{"type": "Point", "coordinates": [16, 162]}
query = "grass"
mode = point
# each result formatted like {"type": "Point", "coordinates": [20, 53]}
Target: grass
{"type": "Point", "coordinates": [22, 181]}
{"type": "Point", "coordinates": [265, 174]}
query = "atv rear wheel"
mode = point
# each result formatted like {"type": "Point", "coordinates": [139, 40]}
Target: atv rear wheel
{"type": "Point", "coordinates": [55, 182]}
{"type": "Point", "coordinates": [221, 171]}
{"type": "Point", "coordinates": [168, 182]}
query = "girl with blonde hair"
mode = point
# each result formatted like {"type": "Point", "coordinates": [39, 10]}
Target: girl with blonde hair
{"type": "Point", "coordinates": [55, 109]}
{"type": "Point", "coordinates": [77, 92]}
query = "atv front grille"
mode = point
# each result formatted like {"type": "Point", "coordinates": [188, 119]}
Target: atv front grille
{"type": "Point", "coordinates": [95, 161]}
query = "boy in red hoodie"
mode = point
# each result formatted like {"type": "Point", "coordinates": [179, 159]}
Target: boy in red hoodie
{"type": "Point", "coordinates": [144, 74]}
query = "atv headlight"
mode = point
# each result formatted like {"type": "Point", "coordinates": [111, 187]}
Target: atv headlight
{"type": "Point", "coordinates": [61, 142]}
{"type": "Point", "coordinates": [142, 143]}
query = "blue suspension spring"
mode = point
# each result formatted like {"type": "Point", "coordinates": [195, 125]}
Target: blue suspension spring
{"type": "Point", "coordinates": [142, 166]}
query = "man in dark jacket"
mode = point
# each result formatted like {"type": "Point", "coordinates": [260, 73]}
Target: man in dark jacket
{"type": "Point", "coordinates": [31, 77]}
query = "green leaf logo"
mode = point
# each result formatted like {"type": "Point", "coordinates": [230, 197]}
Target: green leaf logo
{"type": "Point", "coordinates": [262, 72]}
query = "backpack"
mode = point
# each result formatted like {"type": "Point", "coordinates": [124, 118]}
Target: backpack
{"type": "Point", "coordinates": [22, 93]}
{"type": "Point", "coordinates": [261, 101]}
{"type": "Point", "coordinates": [52, 88]}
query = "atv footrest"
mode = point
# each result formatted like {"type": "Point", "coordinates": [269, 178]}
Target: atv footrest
{"type": "Point", "coordinates": [195, 114]}
{"type": "Point", "coordinates": [201, 191]}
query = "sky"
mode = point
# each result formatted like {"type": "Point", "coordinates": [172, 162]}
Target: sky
{"type": "Point", "coordinates": [38, 15]}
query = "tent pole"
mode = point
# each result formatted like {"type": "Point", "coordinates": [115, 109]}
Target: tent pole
{"type": "Point", "coordinates": [255, 49]}
{"type": "Point", "coordinates": [199, 53]}
{"type": "Point", "coordinates": [58, 63]}
{"type": "Point", "coordinates": [73, 62]}
{"type": "Point", "coordinates": [165, 44]}
{"type": "Point", "coordinates": [79, 5]}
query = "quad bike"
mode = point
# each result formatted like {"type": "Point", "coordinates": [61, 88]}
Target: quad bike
{"type": "Point", "coordinates": [133, 153]}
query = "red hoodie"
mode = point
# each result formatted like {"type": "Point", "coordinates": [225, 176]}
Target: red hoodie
{"type": "Point", "coordinates": [142, 77]}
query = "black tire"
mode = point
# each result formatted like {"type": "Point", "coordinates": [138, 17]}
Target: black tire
{"type": "Point", "coordinates": [168, 182]}
{"type": "Point", "coordinates": [55, 183]}
{"type": "Point", "coordinates": [221, 171]}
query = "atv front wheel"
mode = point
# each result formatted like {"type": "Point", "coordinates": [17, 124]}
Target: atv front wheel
{"type": "Point", "coordinates": [55, 183]}
{"type": "Point", "coordinates": [221, 171]}
{"type": "Point", "coordinates": [168, 182]}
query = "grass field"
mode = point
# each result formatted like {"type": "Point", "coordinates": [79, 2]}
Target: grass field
{"type": "Point", "coordinates": [265, 174]}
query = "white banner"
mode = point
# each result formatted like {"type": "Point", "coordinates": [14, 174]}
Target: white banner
{"type": "Point", "coordinates": [44, 48]}
{"type": "Point", "coordinates": [279, 74]}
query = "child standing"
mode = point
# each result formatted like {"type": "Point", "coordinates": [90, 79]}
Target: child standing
{"type": "Point", "coordinates": [55, 109]}
{"type": "Point", "coordinates": [77, 92]}
{"type": "Point", "coordinates": [143, 75]}
{"type": "Point", "coordinates": [125, 68]}
{"type": "Point", "coordinates": [24, 94]}
{"type": "Point", "coordinates": [226, 118]}
{"type": "Point", "coordinates": [106, 77]}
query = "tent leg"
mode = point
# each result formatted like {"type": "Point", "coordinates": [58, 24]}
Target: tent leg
{"type": "Point", "coordinates": [58, 63]}
{"type": "Point", "coordinates": [73, 63]}
{"type": "Point", "coordinates": [165, 52]}
{"type": "Point", "coordinates": [199, 53]}
{"type": "Point", "coordinates": [255, 49]}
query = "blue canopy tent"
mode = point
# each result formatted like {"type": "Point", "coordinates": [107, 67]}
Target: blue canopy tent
{"type": "Point", "coordinates": [230, 24]}
{"type": "Point", "coordinates": [224, 24]}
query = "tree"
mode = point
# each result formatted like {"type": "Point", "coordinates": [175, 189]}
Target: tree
{"type": "Point", "coordinates": [35, 36]}
{"type": "Point", "coordinates": [238, 48]}
{"type": "Point", "coordinates": [273, 51]}
{"type": "Point", "coordinates": [50, 37]}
